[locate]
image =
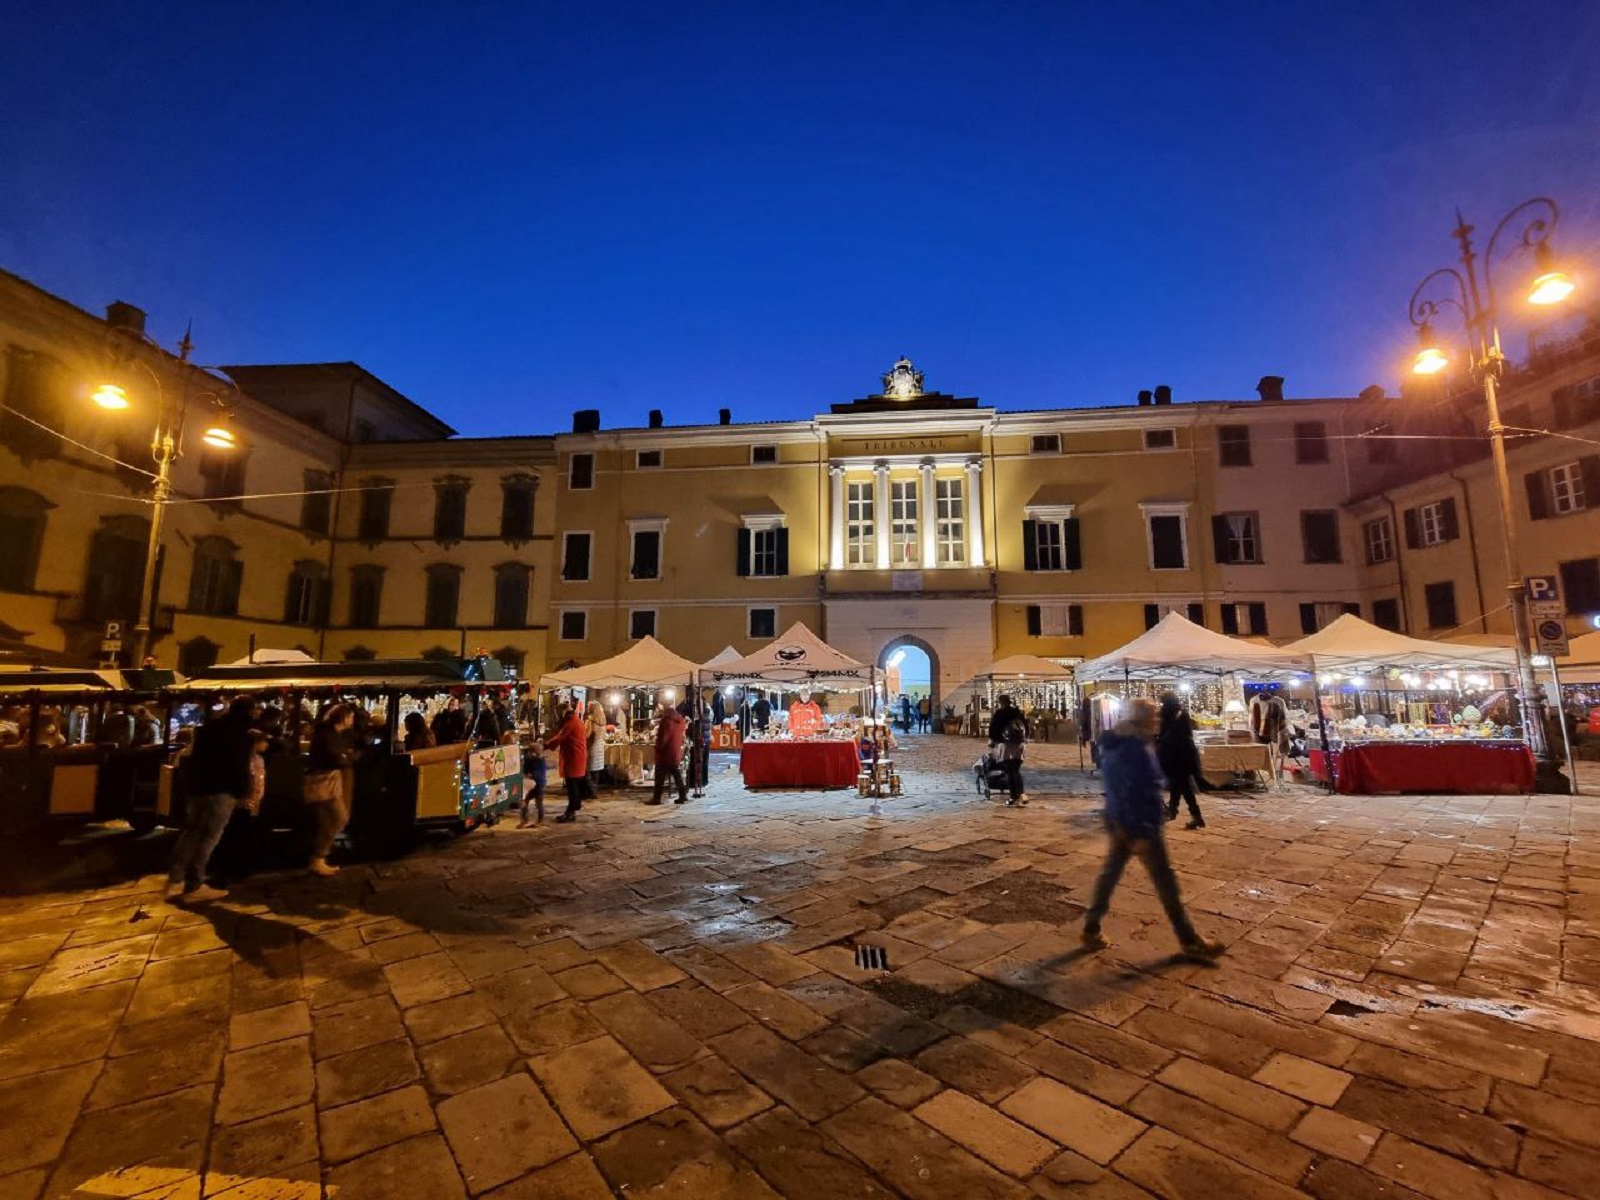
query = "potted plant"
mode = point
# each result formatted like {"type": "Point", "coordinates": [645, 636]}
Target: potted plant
{"type": "Point", "coordinates": [952, 723]}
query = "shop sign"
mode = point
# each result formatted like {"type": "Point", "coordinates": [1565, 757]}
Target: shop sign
{"type": "Point", "coordinates": [924, 444]}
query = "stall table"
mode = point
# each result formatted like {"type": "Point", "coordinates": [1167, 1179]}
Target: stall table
{"type": "Point", "coordinates": [822, 764]}
{"type": "Point", "coordinates": [1219, 760]}
{"type": "Point", "coordinates": [1462, 768]}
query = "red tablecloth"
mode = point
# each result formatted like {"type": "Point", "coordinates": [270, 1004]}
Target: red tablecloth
{"type": "Point", "coordinates": [1471, 768]}
{"type": "Point", "coordinates": [799, 764]}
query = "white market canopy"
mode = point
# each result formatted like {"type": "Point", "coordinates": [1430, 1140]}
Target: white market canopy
{"type": "Point", "coordinates": [1351, 644]}
{"type": "Point", "coordinates": [726, 655]}
{"type": "Point", "coordinates": [646, 663]}
{"type": "Point", "coordinates": [798, 656]}
{"type": "Point", "coordinates": [1026, 666]}
{"type": "Point", "coordinates": [1582, 661]}
{"type": "Point", "coordinates": [1175, 646]}
{"type": "Point", "coordinates": [264, 655]}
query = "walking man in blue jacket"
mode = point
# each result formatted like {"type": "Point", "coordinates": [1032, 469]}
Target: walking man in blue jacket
{"type": "Point", "coordinates": [1134, 818]}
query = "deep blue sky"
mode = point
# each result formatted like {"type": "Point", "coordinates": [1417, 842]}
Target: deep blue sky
{"type": "Point", "coordinates": [510, 211]}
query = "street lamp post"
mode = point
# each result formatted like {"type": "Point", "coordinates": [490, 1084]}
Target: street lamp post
{"type": "Point", "coordinates": [1475, 300]}
{"type": "Point", "coordinates": [166, 443]}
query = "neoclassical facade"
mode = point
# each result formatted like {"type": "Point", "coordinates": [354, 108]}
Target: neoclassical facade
{"type": "Point", "coordinates": [351, 523]}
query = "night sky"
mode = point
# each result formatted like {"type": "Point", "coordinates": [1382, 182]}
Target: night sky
{"type": "Point", "coordinates": [510, 211]}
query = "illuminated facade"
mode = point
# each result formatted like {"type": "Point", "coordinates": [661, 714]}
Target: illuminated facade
{"type": "Point", "coordinates": [908, 515]}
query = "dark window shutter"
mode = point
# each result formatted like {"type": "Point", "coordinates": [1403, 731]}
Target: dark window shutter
{"type": "Point", "coordinates": [291, 599]}
{"type": "Point", "coordinates": [1538, 494]}
{"type": "Point", "coordinates": [1258, 618]}
{"type": "Point", "coordinates": [1073, 542]}
{"type": "Point", "coordinates": [1413, 524]}
{"type": "Point", "coordinates": [1219, 538]}
{"type": "Point", "coordinates": [1035, 624]}
{"type": "Point", "coordinates": [1589, 470]}
{"type": "Point", "coordinates": [1450, 523]}
{"type": "Point", "coordinates": [1230, 619]}
{"type": "Point", "coordinates": [1308, 618]}
{"type": "Point", "coordinates": [1030, 545]}
{"type": "Point", "coordinates": [1152, 615]}
{"type": "Point", "coordinates": [744, 551]}
{"type": "Point", "coordinates": [1074, 620]}
{"type": "Point", "coordinates": [232, 578]}
{"type": "Point", "coordinates": [1353, 607]}
{"type": "Point", "coordinates": [1197, 613]}
{"type": "Point", "coordinates": [783, 550]}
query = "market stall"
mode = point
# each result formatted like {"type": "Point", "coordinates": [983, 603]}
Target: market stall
{"type": "Point", "coordinates": [725, 699]}
{"type": "Point", "coordinates": [1407, 714]}
{"type": "Point", "coordinates": [1041, 688]}
{"type": "Point", "coordinates": [805, 747]}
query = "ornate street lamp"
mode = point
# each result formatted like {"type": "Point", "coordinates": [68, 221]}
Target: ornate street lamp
{"type": "Point", "coordinates": [1474, 298]}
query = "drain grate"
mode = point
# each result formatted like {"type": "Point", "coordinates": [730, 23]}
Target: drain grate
{"type": "Point", "coordinates": [872, 958]}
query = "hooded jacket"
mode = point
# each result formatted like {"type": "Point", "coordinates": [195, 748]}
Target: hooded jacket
{"type": "Point", "coordinates": [1175, 748]}
{"type": "Point", "coordinates": [1133, 782]}
{"type": "Point", "coordinates": [669, 738]}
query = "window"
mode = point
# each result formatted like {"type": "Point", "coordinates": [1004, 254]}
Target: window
{"type": "Point", "coordinates": [646, 460]}
{"type": "Point", "coordinates": [763, 623]}
{"type": "Point", "coordinates": [1580, 586]}
{"type": "Point", "coordinates": [1432, 524]}
{"type": "Point", "coordinates": [580, 472]}
{"type": "Point", "coordinates": [1567, 493]}
{"type": "Point", "coordinates": [1168, 537]}
{"type": "Point", "coordinates": [116, 569]}
{"type": "Point", "coordinates": [1315, 616]}
{"type": "Point", "coordinates": [377, 498]}
{"type": "Point", "coordinates": [33, 383]}
{"type": "Point", "coordinates": [641, 623]}
{"type": "Point", "coordinates": [950, 525]}
{"type": "Point", "coordinates": [1193, 610]}
{"type": "Point", "coordinates": [903, 531]}
{"type": "Point", "coordinates": [1310, 442]}
{"type": "Point", "coordinates": [1233, 445]}
{"type": "Point", "coordinates": [1379, 538]}
{"type": "Point", "coordinates": [516, 507]}
{"type": "Point", "coordinates": [1577, 404]}
{"type": "Point", "coordinates": [762, 455]}
{"type": "Point", "coordinates": [646, 561]}
{"type": "Point", "coordinates": [575, 557]}
{"type": "Point", "coordinates": [1381, 445]}
{"type": "Point", "coordinates": [574, 625]}
{"type": "Point", "coordinates": [1441, 601]}
{"type": "Point", "coordinates": [222, 475]}
{"type": "Point", "coordinates": [22, 520]}
{"type": "Point", "coordinates": [1386, 614]}
{"type": "Point", "coordinates": [1237, 537]}
{"type": "Point", "coordinates": [860, 534]}
{"type": "Point", "coordinates": [1046, 443]}
{"type": "Point", "coordinates": [366, 596]}
{"type": "Point", "coordinates": [196, 655]}
{"type": "Point", "coordinates": [305, 600]}
{"type": "Point", "coordinates": [511, 595]}
{"type": "Point", "coordinates": [214, 579]}
{"type": "Point", "coordinates": [763, 548]}
{"type": "Point", "coordinates": [449, 510]}
{"type": "Point", "coordinates": [1055, 620]}
{"type": "Point", "coordinates": [316, 506]}
{"type": "Point", "coordinates": [1051, 540]}
{"type": "Point", "coordinates": [1319, 534]}
{"type": "Point", "coordinates": [1160, 439]}
{"type": "Point", "coordinates": [1248, 619]}
{"type": "Point", "coordinates": [444, 596]}
{"type": "Point", "coordinates": [1571, 487]}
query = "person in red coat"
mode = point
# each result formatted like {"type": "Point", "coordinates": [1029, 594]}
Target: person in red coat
{"type": "Point", "coordinates": [669, 752]}
{"type": "Point", "coordinates": [571, 743]}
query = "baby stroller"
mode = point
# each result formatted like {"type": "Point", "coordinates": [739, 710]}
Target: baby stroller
{"type": "Point", "coordinates": [991, 775]}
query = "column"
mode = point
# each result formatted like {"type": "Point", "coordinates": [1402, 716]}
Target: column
{"type": "Point", "coordinates": [880, 511]}
{"type": "Point", "coordinates": [836, 518]}
{"type": "Point", "coordinates": [974, 512]}
{"type": "Point", "coordinates": [928, 514]}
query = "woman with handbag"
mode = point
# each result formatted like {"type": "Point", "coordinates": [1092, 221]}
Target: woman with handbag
{"type": "Point", "coordinates": [327, 771]}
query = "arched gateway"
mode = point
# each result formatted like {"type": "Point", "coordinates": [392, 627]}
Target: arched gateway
{"type": "Point", "coordinates": [911, 640]}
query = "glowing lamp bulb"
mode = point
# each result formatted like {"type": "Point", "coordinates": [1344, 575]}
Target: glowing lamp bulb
{"type": "Point", "coordinates": [1551, 288]}
{"type": "Point", "coordinates": [1430, 360]}
{"type": "Point", "coordinates": [110, 396]}
{"type": "Point", "coordinates": [669, 694]}
{"type": "Point", "coordinates": [614, 698]}
{"type": "Point", "coordinates": [219, 437]}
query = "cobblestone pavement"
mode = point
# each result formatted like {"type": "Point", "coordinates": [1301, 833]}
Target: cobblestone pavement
{"type": "Point", "coordinates": [666, 1002]}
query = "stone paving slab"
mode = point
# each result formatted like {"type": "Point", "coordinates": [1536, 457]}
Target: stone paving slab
{"type": "Point", "coordinates": [668, 1002]}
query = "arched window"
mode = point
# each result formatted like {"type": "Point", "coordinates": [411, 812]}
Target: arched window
{"type": "Point", "coordinates": [22, 517]}
{"type": "Point", "coordinates": [511, 595]}
{"type": "Point", "coordinates": [306, 601]}
{"type": "Point", "coordinates": [196, 655]}
{"type": "Point", "coordinates": [116, 569]}
{"type": "Point", "coordinates": [444, 596]}
{"type": "Point", "coordinates": [214, 581]}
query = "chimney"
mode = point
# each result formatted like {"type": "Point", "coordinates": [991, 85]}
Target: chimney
{"type": "Point", "coordinates": [1373, 391]}
{"type": "Point", "coordinates": [1271, 388]}
{"type": "Point", "coordinates": [1144, 398]}
{"type": "Point", "coordinates": [655, 418]}
{"type": "Point", "coordinates": [586, 420]}
{"type": "Point", "coordinates": [1163, 394]}
{"type": "Point", "coordinates": [122, 315]}
{"type": "Point", "coordinates": [724, 416]}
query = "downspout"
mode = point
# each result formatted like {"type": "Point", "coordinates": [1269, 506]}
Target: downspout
{"type": "Point", "coordinates": [1200, 534]}
{"type": "Point", "coordinates": [825, 519]}
{"type": "Point", "coordinates": [338, 508]}
{"type": "Point", "coordinates": [1472, 547]}
{"type": "Point", "coordinates": [1398, 534]}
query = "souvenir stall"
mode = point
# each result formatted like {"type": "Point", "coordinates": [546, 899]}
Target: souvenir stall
{"type": "Point", "coordinates": [1041, 688]}
{"type": "Point", "coordinates": [627, 687]}
{"type": "Point", "coordinates": [803, 747]}
{"type": "Point", "coordinates": [725, 702]}
{"type": "Point", "coordinates": [1206, 668]}
{"type": "Point", "coordinates": [1406, 714]}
